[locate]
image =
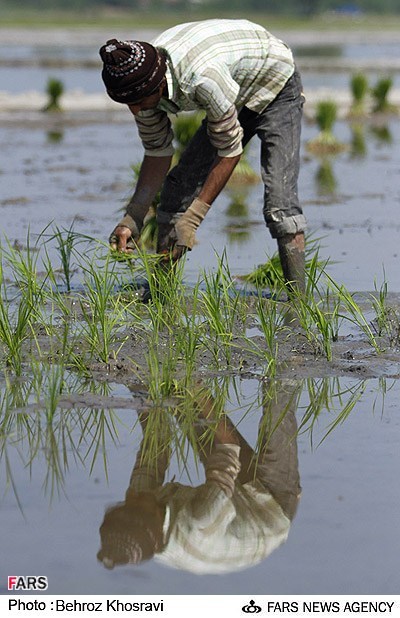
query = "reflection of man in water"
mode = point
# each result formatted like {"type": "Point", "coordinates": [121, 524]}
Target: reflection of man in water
{"type": "Point", "coordinates": [234, 520]}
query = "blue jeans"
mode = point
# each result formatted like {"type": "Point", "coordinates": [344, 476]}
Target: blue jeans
{"type": "Point", "coordinates": [278, 128]}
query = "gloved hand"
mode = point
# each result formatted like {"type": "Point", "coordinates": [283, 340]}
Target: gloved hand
{"type": "Point", "coordinates": [188, 223]}
{"type": "Point", "coordinates": [125, 235]}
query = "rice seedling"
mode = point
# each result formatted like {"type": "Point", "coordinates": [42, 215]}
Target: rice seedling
{"type": "Point", "coordinates": [189, 336]}
{"type": "Point", "coordinates": [14, 329]}
{"type": "Point", "coordinates": [65, 243]}
{"type": "Point", "coordinates": [18, 314]}
{"type": "Point", "coordinates": [270, 322]}
{"type": "Point", "coordinates": [380, 95]}
{"type": "Point", "coordinates": [166, 289]}
{"type": "Point", "coordinates": [54, 91]}
{"type": "Point", "coordinates": [270, 274]}
{"type": "Point", "coordinates": [103, 309]}
{"type": "Point", "coordinates": [327, 395]}
{"type": "Point", "coordinates": [172, 342]}
{"type": "Point", "coordinates": [22, 263]}
{"type": "Point", "coordinates": [318, 311]}
{"type": "Point", "coordinates": [359, 88]}
{"type": "Point", "coordinates": [379, 303]}
{"type": "Point", "coordinates": [386, 322]}
{"type": "Point", "coordinates": [354, 313]}
{"type": "Point", "coordinates": [221, 306]}
{"type": "Point", "coordinates": [161, 369]}
{"type": "Point", "coordinates": [325, 142]}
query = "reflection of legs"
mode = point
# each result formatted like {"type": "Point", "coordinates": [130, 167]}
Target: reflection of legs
{"type": "Point", "coordinates": [277, 467]}
{"type": "Point", "coordinates": [152, 460]}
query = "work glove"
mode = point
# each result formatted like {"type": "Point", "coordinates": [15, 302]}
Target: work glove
{"type": "Point", "coordinates": [188, 223]}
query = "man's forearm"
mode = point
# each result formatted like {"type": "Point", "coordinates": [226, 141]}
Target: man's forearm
{"type": "Point", "coordinates": [217, 178]}
{"type": "Point", "coordinates": [151, 177]}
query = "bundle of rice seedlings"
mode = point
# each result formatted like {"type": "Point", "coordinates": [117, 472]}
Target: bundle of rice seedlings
{"type": "Point", "coordinates": [270, 274]}
{"type": "Point", "coordinates": [325, 142]}
{"type": "Point", "coordinates": [54, 91]}
{"type": "Point", "coordinates": [359, 89]}
{"type": "Point", "coordinates": [380, 95]}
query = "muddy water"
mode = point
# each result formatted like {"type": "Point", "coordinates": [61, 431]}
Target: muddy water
{"type": "Point", "coordinates": [343, 538]}
{"type": "Point", "coordinates": [81, 174]}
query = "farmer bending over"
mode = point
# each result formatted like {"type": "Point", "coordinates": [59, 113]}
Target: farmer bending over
{"type": "Point", "coordinates": [234, 519]}
{"type": "Point", "coordinates": [246, 82]}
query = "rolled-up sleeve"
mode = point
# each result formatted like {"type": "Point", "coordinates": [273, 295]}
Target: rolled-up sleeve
{"type": "Point", "coordinates": [156, 133]}
{"type": "Point", "coordinates": [226, 134]}
{"type": "Point", "coordinates": [216, 93]}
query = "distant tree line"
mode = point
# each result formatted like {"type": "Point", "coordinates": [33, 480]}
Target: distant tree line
{"type": "Point", "coordinates": [282, 7]}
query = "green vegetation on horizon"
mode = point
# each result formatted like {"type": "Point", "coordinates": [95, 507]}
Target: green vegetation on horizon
{"type": "Point", "coordinates": [101, 15]}
{"type": "Point", "coordinates": [285, 7]}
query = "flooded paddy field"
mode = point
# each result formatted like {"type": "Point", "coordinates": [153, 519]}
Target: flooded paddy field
{"type": "Point", "coordinates": [86, 374]}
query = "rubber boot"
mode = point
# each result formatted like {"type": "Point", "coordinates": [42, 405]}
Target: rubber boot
{"type": "Point", "coordinates": [292, 257]}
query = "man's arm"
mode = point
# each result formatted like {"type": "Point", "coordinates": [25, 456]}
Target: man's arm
{"type": "Point", "coordinates": [187, 225]}
{"type": "Point", "coordinates": [225, 133]}
{"type": "Point", "coordinates": [151, 177]}
{"type": "Point", "coordinates": [218, 177]}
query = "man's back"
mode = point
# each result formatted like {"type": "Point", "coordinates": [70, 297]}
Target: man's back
{"type": "Point", "coordinates": [226, 60]}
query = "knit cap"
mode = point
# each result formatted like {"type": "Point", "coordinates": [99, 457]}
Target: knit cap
{"type": "Point", "coordinates": [132, 70]}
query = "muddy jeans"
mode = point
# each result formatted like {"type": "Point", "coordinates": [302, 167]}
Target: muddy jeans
{"type": "Point", "coordinates": [278, 128]}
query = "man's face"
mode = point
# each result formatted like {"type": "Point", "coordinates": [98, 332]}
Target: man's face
{"type": "Point", "coordinates": [149, 102]}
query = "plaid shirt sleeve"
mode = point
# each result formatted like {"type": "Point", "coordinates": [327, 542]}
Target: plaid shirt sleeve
{"type": "Point", "coordinates": [156, 133]}
{"type": "Point", "coordinates": [217, 93]}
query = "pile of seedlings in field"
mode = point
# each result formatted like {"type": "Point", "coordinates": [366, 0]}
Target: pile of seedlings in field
{"type": "Point", "coordinates": [326, 143]}
{"type": "Point", "coordinates": [54, 90]}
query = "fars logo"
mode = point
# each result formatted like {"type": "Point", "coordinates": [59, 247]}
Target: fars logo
{"type": "Point", "coordinates": [27, 582]}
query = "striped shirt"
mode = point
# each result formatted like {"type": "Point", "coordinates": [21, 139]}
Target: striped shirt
{"type": "Point", "coordinates": [219, 66]}
{"type": "Point", "coordinates": [207, 532]}
{"type": "Point", "coordinates": [219, 526]}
